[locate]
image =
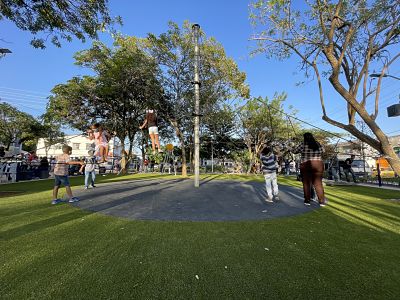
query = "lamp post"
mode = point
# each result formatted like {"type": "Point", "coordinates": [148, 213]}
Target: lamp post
{"type": "Point", "coordinates": [196, 82]}
{"type": "Point", "coordinates": [393, 110]}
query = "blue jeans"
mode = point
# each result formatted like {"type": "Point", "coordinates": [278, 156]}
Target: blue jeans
{"type": "Point", "coordinates": [87, 175]}
{"type": "Point", "coordinates": [58, 180]}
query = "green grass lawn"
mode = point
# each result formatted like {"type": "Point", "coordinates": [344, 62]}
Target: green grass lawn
{"type": "Point", "coordinates": [347, 250]}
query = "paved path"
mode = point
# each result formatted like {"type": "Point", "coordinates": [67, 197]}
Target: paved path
{"type": "Point", "coordinates": [178, 200]}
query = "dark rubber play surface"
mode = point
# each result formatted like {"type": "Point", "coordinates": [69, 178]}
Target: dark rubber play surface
{"type": "Point", "coordinates": [178, 200]}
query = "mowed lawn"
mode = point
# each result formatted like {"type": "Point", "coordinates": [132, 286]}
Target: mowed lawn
{"type": "Point", "coordinates": [347, 250]}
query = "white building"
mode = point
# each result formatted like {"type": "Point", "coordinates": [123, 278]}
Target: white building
{"type": "Point", "coordinates": [80, 146]}
{"type": "Point", "coordinates": [345, 149]}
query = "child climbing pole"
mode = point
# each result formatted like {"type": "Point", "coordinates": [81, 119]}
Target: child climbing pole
{"type": "Point", "coordinates": [101, 138]}
{"type": "Point", "coordinates": [152, 125]}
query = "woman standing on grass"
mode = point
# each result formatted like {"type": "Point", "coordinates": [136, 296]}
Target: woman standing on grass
{"type": "Point", "coordinates": [311, 168]}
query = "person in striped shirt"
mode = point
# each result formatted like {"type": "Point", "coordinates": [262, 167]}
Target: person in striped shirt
{"type": "Point", "coordinates": [269, 167]}
{"type": "Point", "coordinates": [311, 168]}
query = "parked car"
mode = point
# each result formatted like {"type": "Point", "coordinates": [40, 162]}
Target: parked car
{"type": "Point", "coordinates": [385, 172]}
{"type": "Point", "coordinates": [358, 168]}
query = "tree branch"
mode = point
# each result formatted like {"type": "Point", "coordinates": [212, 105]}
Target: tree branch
{"type": "Point", "coordinates": [354, 131]}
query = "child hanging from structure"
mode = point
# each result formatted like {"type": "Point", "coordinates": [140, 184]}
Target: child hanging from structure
{"type": "Point", "coordinates": [61, 165]}
{"type": "Point", "coordinates": [101, 138]}
{"type": "Point", "coordinates": [152, 125]}
{"type": "Point", "coordinates": [269, 168]}
{"type": "Point", "coordinates": [90, 169]}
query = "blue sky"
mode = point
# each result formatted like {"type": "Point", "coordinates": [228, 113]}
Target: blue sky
{"type": "Point", "coordinates": [27, 75]}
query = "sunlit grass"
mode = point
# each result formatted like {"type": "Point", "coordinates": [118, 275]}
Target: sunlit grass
{"type": "Point", "coordinates": [347, 250]}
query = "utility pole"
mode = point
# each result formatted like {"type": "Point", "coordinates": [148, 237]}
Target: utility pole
{"type": "Point", "coordinates": [212, 157]}
{"type": "Point", "coordinates": [363, 151]}
{"type": "Point", "coordinates": [196, 82]}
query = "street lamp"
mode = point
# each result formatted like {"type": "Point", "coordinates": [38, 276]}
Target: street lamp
{"type": "Point", "coordinates": [393, 110]}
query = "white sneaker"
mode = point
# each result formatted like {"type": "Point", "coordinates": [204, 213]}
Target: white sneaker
{"type": "Point", "coordinates": [276, 198]}
{"type": "Point", "coordinates": [269, 199]}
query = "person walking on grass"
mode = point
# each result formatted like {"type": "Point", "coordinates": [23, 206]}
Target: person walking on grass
{"type": "Point", "coordinates": [61, 165]}
{"type": "Point", "coordinates": [348, 169]}
{"type": "Point", "coordinates": [311, 168]}
{"type": "Point", "coordinates": [90, 169]}
{"type": "Point", "coordinates": [269, 168]}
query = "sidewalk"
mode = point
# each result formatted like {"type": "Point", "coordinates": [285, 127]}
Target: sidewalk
{"type": "Point", "coordinates": [385, 187]}
{"type": "Point", "coordinates": [372, 185]}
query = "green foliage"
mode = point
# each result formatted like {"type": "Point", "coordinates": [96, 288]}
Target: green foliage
{"type": "Point", "coordinates": [219, 134]}
{"type": "Point", "coordinates": [261, 121]}
{"type": "Point", "coordinates": [58, 20]}
{"type": "Point", "coordinates": [342, 41]}
{"type": "Point", "coordinates": [17, 126]}
{"type": "Point", "coordinates": [219, 75]}
{"type": "Point", "coordinates": [52, 135]}
{"type": "Point", "coordinates": [123, 85]}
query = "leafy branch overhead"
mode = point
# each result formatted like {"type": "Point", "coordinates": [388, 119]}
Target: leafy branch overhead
{"type": "Point", "coordinates": [343, 41]}
{"type": "Point", "coordinates": [58, 20]}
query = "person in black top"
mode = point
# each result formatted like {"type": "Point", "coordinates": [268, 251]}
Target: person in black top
{"type": "Point", "coordinates": [347, 168]}
{"type": "Point", "coordinates": [2, 152]}
{"type": "Point", "coordinates": [152, 125]}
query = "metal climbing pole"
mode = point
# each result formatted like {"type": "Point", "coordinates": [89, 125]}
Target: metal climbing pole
{"type": "Point", "coordinates": [196, 82]}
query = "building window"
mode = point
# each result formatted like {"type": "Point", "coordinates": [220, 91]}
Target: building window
{"type": "Point", "coordinates": [89, 146]}
{"type": "Point", "coordinates": [75, 146]}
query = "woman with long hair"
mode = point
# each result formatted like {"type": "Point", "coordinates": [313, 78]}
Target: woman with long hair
{"type": "Point", "coordinates": [151, 122]}
{"type": "Point", "coordinates": [311, 168]}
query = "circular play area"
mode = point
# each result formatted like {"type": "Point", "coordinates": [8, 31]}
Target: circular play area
{"type": "Point", "coordinates": [178, 200]}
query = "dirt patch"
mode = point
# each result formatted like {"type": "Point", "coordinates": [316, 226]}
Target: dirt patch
{"type": "Point", "coordinates": [9, 193]}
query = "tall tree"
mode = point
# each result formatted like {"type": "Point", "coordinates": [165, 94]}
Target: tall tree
{"type": "Point", "coordinates": [261, 121]}
{"type": "Point", "coordinates": [343, 40]}
{"type": "Point", "coordinates": [219, 75]}
{"type": "Point", "coordinates": [219, 134]}
{"type": "Point", "coordinates": [124, 81]}
{"type": "Point", "coordinates": [58, 20]}
{"type": "Point", "coordinates": [52, 135]}
{"type": "Point", "coordinates": [18, 127]}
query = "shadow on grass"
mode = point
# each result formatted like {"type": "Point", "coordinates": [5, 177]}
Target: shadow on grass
{"type": "Point", "coordinates": [363, 220]}
{"type": "Point", "coordinates": [368, 209]}
{"type": "Point", "coordinates": [369, 191]}
{"type": "Point", "coordinates": [33, 187]}
{"type": "Point", "coordinates": [209, 178]}
{"type": "Point", "coordinates": [27, 209]}
{"type": "Point", "coordinates": [41, 225]}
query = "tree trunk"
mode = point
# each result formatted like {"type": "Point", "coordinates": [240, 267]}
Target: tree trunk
{"type": "Point", "coordinates": [251, 161]}
{"type": "Point", "coordinates": [179, 134]}
{"type": "Point", "coordinates": [382, 143]}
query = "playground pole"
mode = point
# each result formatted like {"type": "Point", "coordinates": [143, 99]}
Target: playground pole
{"type": "Point", "coordinates": [196, 82]}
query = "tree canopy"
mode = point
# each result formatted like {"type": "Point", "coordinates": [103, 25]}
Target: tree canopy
{"type": "Point", "coordinates": [220, 77]}
{"type": "Point", "coordinates": [58, 20]}
{"type": "Point", "coordinates": [342, 41]}
{"type": "Point", "coordinates": [117, 95]}
{"type": "Point", "coordinates": [21, 128]}
{"type": "Point", "coordinates": [262, 121]}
